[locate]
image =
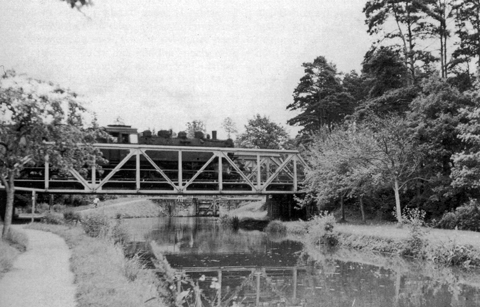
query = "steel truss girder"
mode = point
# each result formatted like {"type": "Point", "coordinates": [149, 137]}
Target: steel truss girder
{"type": "Point", "coordinates": [252, 173]}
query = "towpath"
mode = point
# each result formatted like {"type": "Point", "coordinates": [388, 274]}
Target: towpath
{"type": "Point", "coordinates": [41, 276]}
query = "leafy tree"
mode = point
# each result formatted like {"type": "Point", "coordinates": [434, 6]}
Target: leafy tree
{"type": "Point", "coordinates": [320, 98]}
{"type": "Point", "coordinates": [371, 155]}
{"type": "Point", "coordinates": [194, 126]}
{"type": "Point", "coordinates": [467, 19]}
{"type": "Point", "coordinates": [262, 133]}
{"type": "Point", "coordinates": [336, 172]}
{"type": "Point", "coordinates": [38, 121]}
{"type": "Point", "coordinates": [434, 119]}
{"type": "Point", "coordinates": [410, 27]}
{"type": "Point", "coordinates": [229, 126]}
{"type": "Point", "coordinates": [466, 169]}
{"type": "Point", "coordinates": [383, 70]}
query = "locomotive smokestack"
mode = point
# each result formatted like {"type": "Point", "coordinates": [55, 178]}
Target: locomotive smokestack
{"type": "Point", "coordinates": [214, 134]}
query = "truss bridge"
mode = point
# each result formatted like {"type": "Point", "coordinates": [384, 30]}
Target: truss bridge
{"type": "Point", "coordinates": [175, 170]}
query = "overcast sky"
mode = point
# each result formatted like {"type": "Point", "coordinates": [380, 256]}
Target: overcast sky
{"type": "Point", "coordinates": [159, 64]}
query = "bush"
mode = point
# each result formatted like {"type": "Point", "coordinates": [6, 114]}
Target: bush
{"type": "Point", "coordinates": [276, 227]}
{"type": "Point", "coordinates": [58, 208]}
{"type": "Point", "coordinates": [96, 225]}
{"type": "Point", "coordinates": [18, 239]}
{"type": "Point", "coordinates": [415, 244]}
{"type": "Point", "coordinates": [72, 217]}
{"type": "Point", "coordinates": [465, 217]}
{"type": "Point", "coordinates": [320, 230]}
{"type": "Point", "coordinates": [448, 221]}
{"type": "Point", "coordinates": [120, 234]}
{"type": "Point", "coordinates": [53, 218]}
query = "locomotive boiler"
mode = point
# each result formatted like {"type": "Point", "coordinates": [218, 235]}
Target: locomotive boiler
{"type": "Point", "coordinates": [165, 159]}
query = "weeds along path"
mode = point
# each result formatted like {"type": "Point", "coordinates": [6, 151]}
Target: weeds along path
{"type": "Point", "coordinates": [41, 276]}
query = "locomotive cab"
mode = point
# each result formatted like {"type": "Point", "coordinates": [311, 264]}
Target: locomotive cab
{"type": "Point", "coordinates": [122, 134]}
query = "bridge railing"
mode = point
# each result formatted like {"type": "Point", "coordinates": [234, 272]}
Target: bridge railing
{"type": "Point", "coordinates": [177, 170]}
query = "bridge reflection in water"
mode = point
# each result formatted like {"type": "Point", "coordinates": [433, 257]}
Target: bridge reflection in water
{"type": "Point", "coordinates": [249, 268]}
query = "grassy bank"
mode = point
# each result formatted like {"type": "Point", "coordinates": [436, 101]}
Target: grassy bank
{"type": "Point", "coordinates": [128, 208]}
{"type": "Point", "coordinates": [15, 243]}
{"type": "Point", "coordinates": [446, 247]}
{"type": "Point", "coordinates": [103, 275]}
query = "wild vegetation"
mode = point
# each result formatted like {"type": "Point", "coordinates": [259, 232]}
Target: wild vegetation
{"type": "Point", "coordinates": [11, 246]}
{"type": "Point", "coordinates": [402, 133]}
{"type": "Point", "coordinates": [104, 276]}
{"type": "Point", "coordinates": [414, 240]}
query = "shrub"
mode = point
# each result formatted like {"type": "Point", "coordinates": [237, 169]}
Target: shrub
{"type": "Point", "coordinates": [415, 244]}
{"type": "Point", "coordinates": [120, 234]}
{"type": "Point", "coordinates": [276, 227]}
{"type": "Point", "coordinates": [53, 218]}
{"type": "Point", "coordinates": [320, 230]}
{"type": "Point", "coordinates": [448, 221]}
{"type": "Point", "coordinates": [7, 256]}
{"type": "Point", "coordinates": [96, 225]}
{"type": "Point", "coordinates": [42, 207]}
{"type": "Point", "coordinates": [232, 221]}
{"type": "Point", "coordinates": [17, 238]}
{"type": "Point", "coordinates": [72, 217]}
{"type": "Point", "coordinates": [465, 217]}
{"type": "Point", "coordinates": [58, 208]}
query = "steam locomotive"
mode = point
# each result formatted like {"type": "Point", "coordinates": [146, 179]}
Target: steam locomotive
{"type": "Point", "coordinates": [166, 159]}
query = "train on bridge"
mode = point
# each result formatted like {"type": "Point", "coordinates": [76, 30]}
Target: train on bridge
{"type": "Point", "coordinates": [164, 163]}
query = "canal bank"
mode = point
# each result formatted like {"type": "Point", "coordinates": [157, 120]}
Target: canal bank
{"type": "Point", "coordinates": [446, 247]}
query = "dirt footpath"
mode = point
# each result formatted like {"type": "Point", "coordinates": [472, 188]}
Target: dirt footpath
{"type": "Point", "coordinates": [41, 276]}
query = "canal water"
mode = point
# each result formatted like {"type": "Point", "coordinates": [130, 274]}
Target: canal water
{"type": "Point", "coordinates": [249, 268]}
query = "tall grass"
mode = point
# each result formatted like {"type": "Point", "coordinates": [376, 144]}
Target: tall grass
{"type": "Point", "coordinates": [7, 255]}
{"type": "Point", "coordinates": [103, 275]}
{"type": "Point", "coordinates": [15, 243]}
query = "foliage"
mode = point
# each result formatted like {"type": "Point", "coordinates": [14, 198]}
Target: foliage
{"type": "Point", "coordinates": [194, 126]}
{"type": "Point", "coordinates": [58, 208]}
{"type": "Point", "coordinates": [96, 225]}
{"type": "Point", "coordinates": [53, 218]}
{"type": "Point", "coordinates": [465, 217]}
{"type": "Point", "coordinates": [72, 217]}
{"type": "Point", "coordinates": [104, 276]}
{"type": "Point", "coordinates": [17, 238]}
{"type": "Point", "coordinates": [8, 254]}
{"type": "Point", "coordinates": [404, 23]}
{"type": "Point", "coordinates": [276, 227]}
{"type": "Point", "coordinates": [363, 157]}
{"type": "Point", "coordinates": [321, 230]}
{"type": "Point", "coordinates": [383, 70]}
{"type": "Point", "coordinates": [320, 98]}
{"type": "Point", "coordinates": [120, 234]}
{"type": "Point", "coordinates": [262, 133]}
{"type": "Point", "coordinates": [229, 126]}
{"type": "Point", "coordinates": [415, 243]}
{"type": "Point", "coordinates": [39, 121]}
{"type": "Point", "coordinates": [467, 30]}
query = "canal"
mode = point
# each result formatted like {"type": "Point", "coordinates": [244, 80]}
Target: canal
{"type": "Point", "coordinates": [249, 268]}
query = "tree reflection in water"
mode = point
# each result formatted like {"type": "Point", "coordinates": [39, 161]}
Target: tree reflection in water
{"type": "Point", "coordinates": [252, 270]}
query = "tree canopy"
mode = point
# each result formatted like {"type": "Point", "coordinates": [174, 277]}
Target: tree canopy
{"type": "Point", "coordinates": [261, 132]}
{"type": "Point", "coordinates": [40, 122]}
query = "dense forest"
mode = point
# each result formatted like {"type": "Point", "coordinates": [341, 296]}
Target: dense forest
{"type": "Point", "coordinates": [405, 131]}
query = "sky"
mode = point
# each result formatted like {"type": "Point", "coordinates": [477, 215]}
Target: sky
{"type": "Point", "coordinates": [159, 64]}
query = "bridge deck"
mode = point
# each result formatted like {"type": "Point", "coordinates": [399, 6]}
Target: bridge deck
{"type": "Point", "coordinates": [175, 170]}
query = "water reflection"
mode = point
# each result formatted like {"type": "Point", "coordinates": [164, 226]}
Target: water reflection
{"type": "Point", "coordinates": [246, 268]}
